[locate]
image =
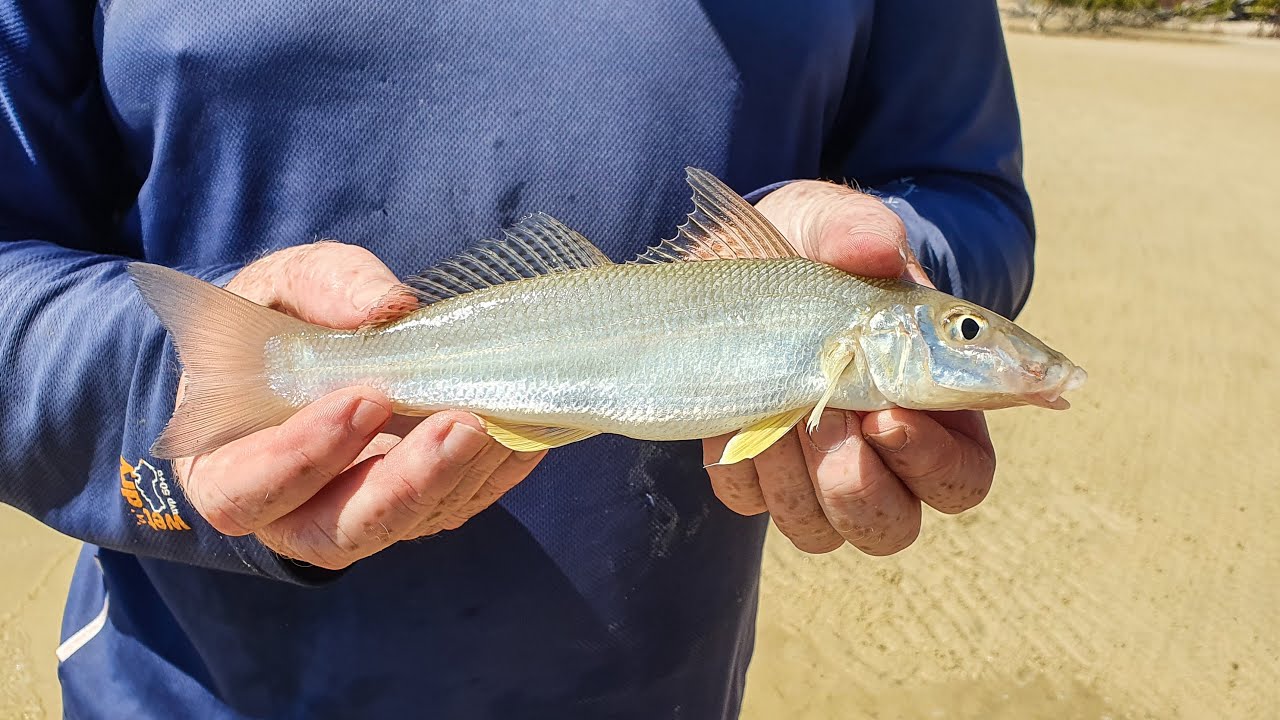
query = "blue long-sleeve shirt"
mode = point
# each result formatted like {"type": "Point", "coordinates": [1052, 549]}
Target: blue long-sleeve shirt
{"type": "Point", "coordinates": [611, 583]}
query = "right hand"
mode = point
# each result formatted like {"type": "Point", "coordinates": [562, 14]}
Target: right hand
{"type": "Point", "coordinates": [341, 480]}
{"type": "Point", "coordinates": [859, 478]}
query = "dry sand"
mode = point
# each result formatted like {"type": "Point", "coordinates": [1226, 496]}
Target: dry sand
{"type": "Point", "coordinates": [1125, 565]}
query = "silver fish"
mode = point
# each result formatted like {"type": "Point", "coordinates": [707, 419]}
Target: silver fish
{"type": "Point", "coordinates": [723, 329]}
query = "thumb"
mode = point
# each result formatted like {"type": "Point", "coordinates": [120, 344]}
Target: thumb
{"type": "Point", "coordinates": [840, 226]}
{"type": "Point", "coordinates": [369, 286]}
{"type": "Point", "coordinates": [859, 234]}
{"type": "Point", "coordinates": [333, 284]}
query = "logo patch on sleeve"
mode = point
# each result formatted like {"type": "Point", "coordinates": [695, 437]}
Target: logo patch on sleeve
{"type": "Point", "coordinates": [146, 489]}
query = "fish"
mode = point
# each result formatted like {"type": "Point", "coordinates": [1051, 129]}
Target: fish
{"type": "Point", "coordinates": [722, 329]}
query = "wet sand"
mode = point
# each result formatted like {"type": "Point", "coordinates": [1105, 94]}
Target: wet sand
{"type": "Point", "coordinates": [1125, 565]}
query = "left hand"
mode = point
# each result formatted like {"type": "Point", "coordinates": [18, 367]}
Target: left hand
{"type": "Point", "coordinates": [859, 477]}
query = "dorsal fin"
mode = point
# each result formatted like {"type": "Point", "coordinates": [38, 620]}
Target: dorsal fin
{"type": "Point", "coordinates": [537, 245]}
{"type": "Point", "coordinates": [722, 226]}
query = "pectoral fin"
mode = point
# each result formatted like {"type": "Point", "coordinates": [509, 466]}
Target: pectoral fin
{"type": "Point", "coordinates": [533, 438]}
{"type": "Point", "coordinates": [754, 439]}
{"type": "Point", "coordinates": [835, 357]}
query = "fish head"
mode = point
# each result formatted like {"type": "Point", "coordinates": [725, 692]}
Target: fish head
{"type": "Point", "coordinates": [942, 353]}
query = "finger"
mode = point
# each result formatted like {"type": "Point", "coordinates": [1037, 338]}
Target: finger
{"type": "Point", "coordinates": [482, 468]}
{"type": "Point", "coordinates": [514, 469]}
{"type": "Point", "coordinates": [401, 425]}
{"type": "Point", "coordinates": [332, 284]}
{"type": "Point", "coordinates": [238, 492]}
{"type": "Point", "coordinates": [950, 468]}
{"type": "Point", "coordinates": [861, 235]}
{"type": "Point", "coordinates": [380, 445]}
{"type": "Point", "coordinates": [915, 272]}
{"type": "Point", "coordinates": [737, 485]}
{"type": "Point", "coordinates": [789, 494]}
{"type": "Point", "coordinates": [379, 501]}
{"type": "Point", "coordinates": [862, 499]}
{"type": "Point", "coordinates": [839, 225]}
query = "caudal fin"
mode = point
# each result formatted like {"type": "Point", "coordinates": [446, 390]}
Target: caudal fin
{"type": "Point", "coordinates": [221, 338]}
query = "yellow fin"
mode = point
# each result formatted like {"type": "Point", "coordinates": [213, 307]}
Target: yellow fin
{"type": "Point", "coordinates": [836, 355]}
{"type": "Point", "coordinates": [756, 438]}
{"type": "Point", "coordinates": [532, 438]}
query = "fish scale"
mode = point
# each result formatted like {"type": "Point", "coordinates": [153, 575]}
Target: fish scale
{"type": "Point", "coordinates": [647, 351]}
{"type": "Point", "coordinates": [724, 328]}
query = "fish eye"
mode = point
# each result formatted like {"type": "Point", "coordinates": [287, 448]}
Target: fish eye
{"type": "Point", "coordinates": [964, 326]}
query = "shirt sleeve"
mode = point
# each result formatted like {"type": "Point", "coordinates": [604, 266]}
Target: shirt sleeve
{"type": "Point", "coordinates": [930, 124]}
{"type": "Point", "coordinates": [87, 374]}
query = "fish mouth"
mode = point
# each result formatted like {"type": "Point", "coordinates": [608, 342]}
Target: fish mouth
{"type": "Point", "coordinates": [1052, 398]}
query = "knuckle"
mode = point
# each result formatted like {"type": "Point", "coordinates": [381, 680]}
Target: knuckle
{"type": "Point", "coordinates": [895, 542]}
{"type": "Point", "coordinates": [888, 538]}
{"type": "Point", "coordinates": [486, 496]}
{"type": "Point", "coordinates": [815, 541]}
{"type": "Point", "coordinates": [965, 484]}
{"type": "Point", "coordinates": [301, 464]}
{"type": "Point", "coordinates": [454, 522]}
{"type": "Point", "coordinates": [222, 511]}
{"type": "Point", "coordinates": [742, 496]}
{"type": "Point", "coordinates": [426, 530]}
{"type": "Point", "coordinates": [848, 490]}
{"type": "Point", "coordinates": [934, 462]}
{"type": "Point", "coordinates": [352, 261]}
{"type": "Point", "coordinates": [962, 498]}
{"type": "Point", "coordinates": [292, 545]}
{"type": "Point", "coordinates": [859, 533]}
{"type": "Point", "coordinates": [746, 507]}
{"type": "Point", "coordinates": [874, 531]}
{"type": "Point", "coordinates": [794, 505]}
{"type": "Point", "coordinates": [521, 464]}
{"type": "Point", "coordinates": [742, 504]}
{"type": "Point", "coordinates": [345, 252]}
{"type": "Point", "coordinates": [410, 498]}
{"type": "Point", "coordinates": [328, 546]}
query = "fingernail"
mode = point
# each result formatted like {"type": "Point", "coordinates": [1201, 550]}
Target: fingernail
{"type": "Point", "coordinates": [832, 431]}
{"type": "Point", "coordinates": [368, 417]}
{"type": "Point", "coordinates": [893, 439]}
{"type": "Point", "coordinates": [463, 443]}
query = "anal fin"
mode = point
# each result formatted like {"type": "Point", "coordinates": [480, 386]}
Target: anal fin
{"type": "Point", "coordinates": [533, 438]}
{"type": "Point", "coordinates": [756, 438]}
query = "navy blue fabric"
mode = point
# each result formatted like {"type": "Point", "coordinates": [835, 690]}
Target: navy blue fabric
{"type": "Point", "coordinates": [611, 583]}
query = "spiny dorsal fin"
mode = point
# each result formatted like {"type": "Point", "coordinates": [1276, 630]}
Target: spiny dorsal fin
{"type": "Point", "coordinates": [537, 245]}
{"type": "Point", "coordinates": [722, 226]}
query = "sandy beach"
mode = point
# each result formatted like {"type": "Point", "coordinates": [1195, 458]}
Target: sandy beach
{"type": "Point", "coordinates": [1125, 565]}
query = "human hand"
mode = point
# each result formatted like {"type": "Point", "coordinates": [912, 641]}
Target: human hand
{"type": "Point", "coordinates": [859, 477]}
{"type": "Point", "coordinates": [343, 479]}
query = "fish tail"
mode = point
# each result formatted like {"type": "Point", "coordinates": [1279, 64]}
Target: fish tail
{"type": "Point", "coordinates": [221, 340]}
